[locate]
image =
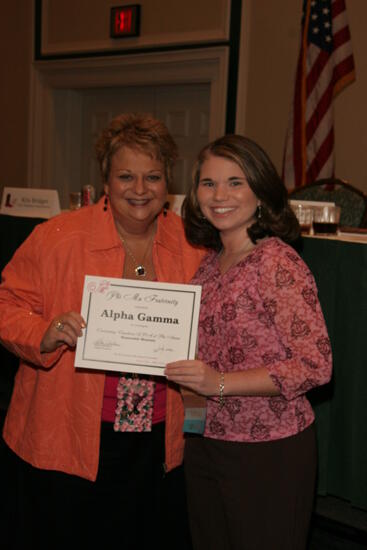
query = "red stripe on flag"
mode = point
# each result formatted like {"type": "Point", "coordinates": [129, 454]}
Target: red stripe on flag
{"type": "Point", "coordinates": [341, 37]}
{"type": "Point", "coordinates": [343, 68]}
{"type": "Point", "coordinates": [323, 154]}
{"type": "Point", "coordinates": [316, 70]}
{"type": "Point", "coordinates": [323, 106]}
{"type": "Point", "coordinates": [338, 6]}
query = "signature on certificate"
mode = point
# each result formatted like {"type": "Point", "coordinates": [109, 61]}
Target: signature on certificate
{"type": "Point", "coordinates": [102, 343]}
{"type": "Point", "coordinates": [163, 349]}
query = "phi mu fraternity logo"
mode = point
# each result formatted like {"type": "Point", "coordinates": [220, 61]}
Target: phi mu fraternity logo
{"type": "Point", "coordinates": [98, 286]}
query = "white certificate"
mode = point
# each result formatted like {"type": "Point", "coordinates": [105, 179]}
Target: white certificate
{"type": "Point", "coordinates": [137, 326]}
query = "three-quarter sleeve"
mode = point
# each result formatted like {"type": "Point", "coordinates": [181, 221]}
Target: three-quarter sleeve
{"type": "Point", "coordinates": [22, 322]}
{"type": "Point", "coordinates": [289, 295]}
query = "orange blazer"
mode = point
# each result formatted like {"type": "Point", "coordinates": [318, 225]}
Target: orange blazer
{"type": "Point", "coordinates": [54, 417]}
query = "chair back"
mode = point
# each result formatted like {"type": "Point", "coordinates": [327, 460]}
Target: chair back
{"type": "Point", "coordinates": [353, 201]}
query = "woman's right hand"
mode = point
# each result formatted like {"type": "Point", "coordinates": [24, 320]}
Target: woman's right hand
{"type": "Point", "coordinates": [195, 375]}
{"type": "Point", "coordinates": [63, 329]}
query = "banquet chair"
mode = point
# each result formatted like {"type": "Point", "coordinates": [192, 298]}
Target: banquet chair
{"type": "Point", "coordinates": [353, 201]}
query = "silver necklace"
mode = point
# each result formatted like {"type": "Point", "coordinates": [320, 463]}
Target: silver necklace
{"type": "Point", "coordinates": [237, 255]}
{"type": "Point", "coordinates": [140, 270]}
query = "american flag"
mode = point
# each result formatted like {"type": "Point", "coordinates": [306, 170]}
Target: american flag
{"type": "Point", "coordinates": [325, 67]}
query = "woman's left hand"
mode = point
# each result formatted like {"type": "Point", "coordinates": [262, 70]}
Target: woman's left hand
{"type": "Point", "coordinates": [194, 374]}
{"type": "Point", "coordinates": [65, 328]}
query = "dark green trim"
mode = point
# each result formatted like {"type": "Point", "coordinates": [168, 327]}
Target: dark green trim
{"type": "Point", "coordinates": [234, 55]}
{"type": "Point", "coordinates": [233, 43]}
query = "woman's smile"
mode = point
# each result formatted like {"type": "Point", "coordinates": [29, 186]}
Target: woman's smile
{"type": "Point", "coordinates": [224, 195]}
{"type": "Point", "coordinates": [136, 187]}
{"type": "Point", "coordinates": [222, 210]}
{"type": "Point", "coordinates": [138, 202]}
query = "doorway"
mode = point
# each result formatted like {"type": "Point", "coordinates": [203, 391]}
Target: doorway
{"type": "Point", "coordinates": [183, 108]}
{"type": "Point", "coordinates": [71, 100]}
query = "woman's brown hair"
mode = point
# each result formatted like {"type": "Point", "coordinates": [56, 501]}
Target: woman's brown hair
{"type": "Point", "coordinates": [276, 218]}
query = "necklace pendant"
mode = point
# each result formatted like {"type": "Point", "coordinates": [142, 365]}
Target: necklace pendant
{"type": "Point", "coordinates": [140, 271]}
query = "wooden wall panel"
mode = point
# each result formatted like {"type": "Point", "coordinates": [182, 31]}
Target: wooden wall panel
{"type": "Point", "coordinates": [84, 25]}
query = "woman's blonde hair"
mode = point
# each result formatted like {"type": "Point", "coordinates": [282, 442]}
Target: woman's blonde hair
{"type": "Point", "coordinates": [138, 131]}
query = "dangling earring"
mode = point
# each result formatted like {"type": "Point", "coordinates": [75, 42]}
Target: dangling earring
{"type": "Point", "coordinates": [259, 213]}
{"type": "Point", "coordinates": [165, 209]}
{"type": "Point", "coordinates": [105, 203]}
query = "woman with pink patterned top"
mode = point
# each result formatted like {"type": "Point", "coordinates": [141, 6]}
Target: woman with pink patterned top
{"type": "Point", "coordinates": [262, 345]}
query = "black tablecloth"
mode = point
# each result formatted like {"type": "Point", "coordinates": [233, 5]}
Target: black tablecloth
{"type": "Point", "coordinates": [340, 270]}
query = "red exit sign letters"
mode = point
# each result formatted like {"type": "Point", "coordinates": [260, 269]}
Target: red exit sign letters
{"type": "Point", "coordinates": [125, 21]}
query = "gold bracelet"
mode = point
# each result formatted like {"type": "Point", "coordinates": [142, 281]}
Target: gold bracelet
{"type": "Point", "coordinates": [221, 389]}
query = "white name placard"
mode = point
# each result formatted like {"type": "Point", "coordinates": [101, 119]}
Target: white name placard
{"type": "Point", "coordinates": [135, 326]}
{"type": "Point", "coordinates": [296, 202]}
{"type": "Point", "coordinates": [30, 203]}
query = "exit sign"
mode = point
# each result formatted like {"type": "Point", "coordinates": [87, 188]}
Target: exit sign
{"type": "Point", "coordinates": [125, 21]}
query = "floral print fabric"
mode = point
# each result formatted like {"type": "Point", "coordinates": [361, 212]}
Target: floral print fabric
{"type": "Point", "coordinates": [263, 312]}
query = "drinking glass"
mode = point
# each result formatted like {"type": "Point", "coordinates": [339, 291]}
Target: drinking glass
{"type": "Point", "coordinates": [326, 220]}
{"type": "Point", "coordinates": [304, 215]}
{"type": "Point", "coordinates": [75, 200]}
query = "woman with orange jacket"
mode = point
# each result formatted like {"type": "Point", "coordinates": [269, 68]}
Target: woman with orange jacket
{"type": "Point", "coordinates": [82, 480]}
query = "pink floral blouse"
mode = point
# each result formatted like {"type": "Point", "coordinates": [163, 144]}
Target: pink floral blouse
{"type": "Point", "coordinates": [263, 312]}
